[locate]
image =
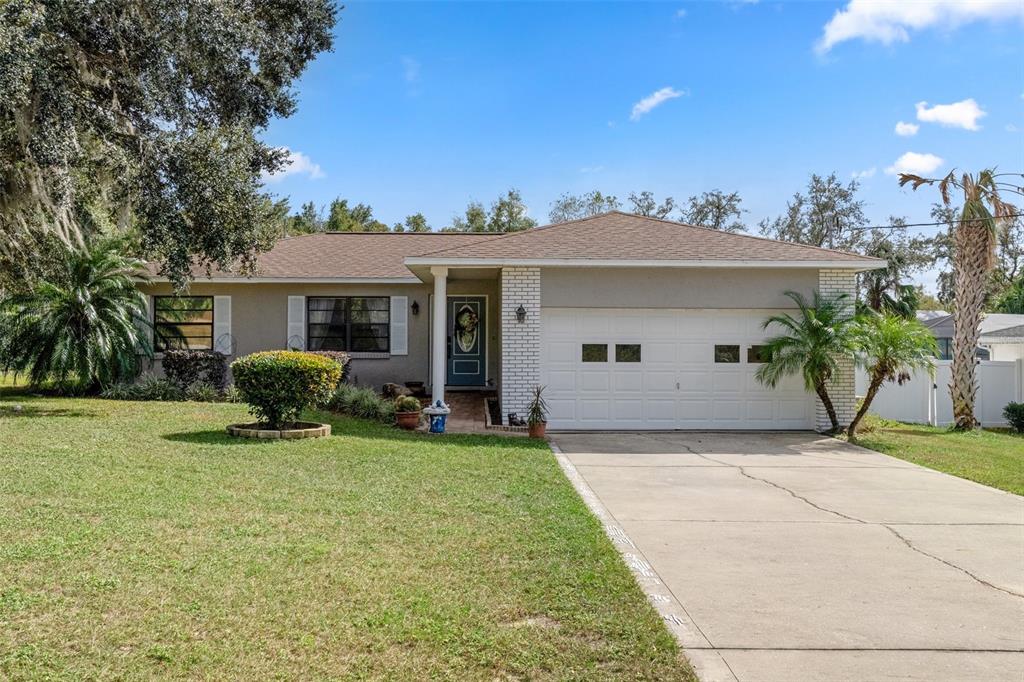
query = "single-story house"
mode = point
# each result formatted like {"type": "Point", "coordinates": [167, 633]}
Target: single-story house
{"type": "Point", "coordinates": [1002, 336]}
{"type": "Point", "coordinates": [630, 322]}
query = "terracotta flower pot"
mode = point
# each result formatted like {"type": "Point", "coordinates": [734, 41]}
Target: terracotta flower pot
{"type": "Point", "coordinates": [537, 430]}
{"type": "Point", "coordinates": [407, 420]}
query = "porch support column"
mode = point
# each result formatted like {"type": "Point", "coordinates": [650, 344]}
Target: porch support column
{"type": "Point", "coordinates": [439, 326]}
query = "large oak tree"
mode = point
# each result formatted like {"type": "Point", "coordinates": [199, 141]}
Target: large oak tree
{"type": "Point", "coordinates": [143, 117]}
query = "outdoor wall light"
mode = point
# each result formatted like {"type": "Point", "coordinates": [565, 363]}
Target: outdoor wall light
{"type": "Point", "coordinates": [520, 314]}
{"type": "Point", "coordinates": [415, 308]}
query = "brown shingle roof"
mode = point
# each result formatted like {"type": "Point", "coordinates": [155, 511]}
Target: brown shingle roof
{"type": "Point", "coordinates": [624, 236]}
{"type": "Point", "coordinates": [348, 254]}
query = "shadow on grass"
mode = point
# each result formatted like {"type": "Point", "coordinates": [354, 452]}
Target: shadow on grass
{"type": "Point", "coordinates": [348, 427]}
{"type": "Point", "coordinates": [8, 410]}
{"type": "Point", "coordinates": [214, 437]}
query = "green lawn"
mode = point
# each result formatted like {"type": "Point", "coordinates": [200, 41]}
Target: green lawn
{"type": "Point", "coordinates": [995, 458]}
{"type": "Point", "coordinates": [137, 540]}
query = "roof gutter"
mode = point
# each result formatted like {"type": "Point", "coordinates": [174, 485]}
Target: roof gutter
{"type": "Point", "coordinates": [858, 266]}
{"type": "Point", "coordinates": [293, 280]}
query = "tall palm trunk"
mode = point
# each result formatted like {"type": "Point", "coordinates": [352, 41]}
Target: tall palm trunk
{"type": "Point", "coordinates": [877, 379]}
{"type": "Point", "coordinates": [973, 256]}
{"type": "Point", "coordinates": [830, 410]}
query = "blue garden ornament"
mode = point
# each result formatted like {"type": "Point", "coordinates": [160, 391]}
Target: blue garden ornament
{"type": "Point", "coordinates": [438, 416]}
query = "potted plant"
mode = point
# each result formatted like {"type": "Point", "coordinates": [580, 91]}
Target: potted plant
{"type": "Point", "coordinates": [537, 413]}
{"type": "Point", "coordinates": [407, 412]}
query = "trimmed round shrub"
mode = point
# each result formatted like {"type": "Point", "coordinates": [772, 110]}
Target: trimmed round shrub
{"type": "Point", "coordinates": [279, 384]}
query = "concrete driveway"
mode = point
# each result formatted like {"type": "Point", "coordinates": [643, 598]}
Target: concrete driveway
{"type": "Point", "coordinates": [788, 556]}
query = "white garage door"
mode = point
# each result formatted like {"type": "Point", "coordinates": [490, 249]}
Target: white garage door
{"type": "Point", "coordinates": [662, 369]}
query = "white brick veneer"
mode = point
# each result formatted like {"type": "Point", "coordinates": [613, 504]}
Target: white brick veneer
{"type": "Point", "coordinates": [520, 341]}
{"type": "Point", "coordinates": [841, 389]}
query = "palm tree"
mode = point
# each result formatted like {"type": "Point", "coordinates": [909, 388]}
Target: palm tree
{"type": "Point", "coordinates": [82, 323]}
{"type": "Point", "coordinates": [891, 348]}
{"type": "Point", "coordinates": [811, 345]}
{"type": "Point", "coordinates": [974, 241]}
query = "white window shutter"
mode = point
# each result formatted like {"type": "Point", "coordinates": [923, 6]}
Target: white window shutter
{"type": "Point", "coordinates": [399, 325]}
{"type": "Point", "coordinates": [296, 339]}
{"type": "Point", "coordinates": [146, 327]}
{"type": "Point", "coordinates": [222, 340]}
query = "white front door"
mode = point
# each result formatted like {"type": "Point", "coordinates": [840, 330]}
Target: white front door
{"type": "Point", "coordinates": [662, 369]}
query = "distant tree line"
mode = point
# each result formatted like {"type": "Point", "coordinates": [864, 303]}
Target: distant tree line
{"type": "Point", "coordinates": [827, 213]}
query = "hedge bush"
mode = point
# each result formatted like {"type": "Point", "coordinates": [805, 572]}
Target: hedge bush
{"type": "Point", "coordinates": [185, 368]}
{"type": "Point", "coordinates": [279, 384]}
{"type": "Point", "coordinates": [363, 403]}
{"type": "Point", "coordinates": [341, 357]}
{"type": "Point", "coordinates": [1014, 413]}
{"type": "Point", "coordinates": [147, 388]}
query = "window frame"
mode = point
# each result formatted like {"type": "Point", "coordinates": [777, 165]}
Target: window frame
{"type": "Point", "coordinates": [159, 347]}
{"type": "Point", "coordinates": [348, 324]}
{"type": "Point", "coordinates": [739, 353]}
{"type": "Point", "coordinates": [583, 357]}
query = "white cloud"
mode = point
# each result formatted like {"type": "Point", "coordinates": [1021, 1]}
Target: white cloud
{"type": "Point", "coordinates": [652, 100]}
{"type": "Point", "coordinates": [906, 129]}
{"type": "Point", "coordinates": [296, 163]}
{"type": "Point", "coordinates": [963, 114]}
{"type": "Point", "coordinates": [912, 162]}
{"type": "Point", "coordinates": [887, 22]}
{"type": "Point", "coordinates": [592, 169]}
{"type": "Point", "coordinates": [861, 175]}
{"type": "Point", "coordinates": [410, 69]}
{"type": "Point", "coordinates": [1010, 128]}
{"type": "Point", "coordinates": [680, 14]}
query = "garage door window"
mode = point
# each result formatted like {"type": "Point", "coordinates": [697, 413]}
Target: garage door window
{"type": "Point", "coordinates": [595, 352]}
{"type": "Point", "coordinates": [727, 354]}
{"type": "Point", "coordinates": [627, 352]}
{"type": "Point", "coordinates": [757, 355]}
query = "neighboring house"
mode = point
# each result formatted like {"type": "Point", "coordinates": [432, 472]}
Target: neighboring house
{"type": "Point", "coordinates": [630, 322]}
{"type": "Point", "coordinates": [1001, 337]}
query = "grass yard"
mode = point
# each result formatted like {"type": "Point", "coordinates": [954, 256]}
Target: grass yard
{"type": "Point", "coordinates": [137, 540]}
{"type": "Point", "coordinates": [995, 458]}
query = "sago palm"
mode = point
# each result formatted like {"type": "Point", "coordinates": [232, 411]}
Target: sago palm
{"type": "Point", "coordinates": [891, 348]}
{"type": "Point", "coordinates": [812, 344]}
{"type": "Point", "coordinates": [974, 241]}
{"type": "Point", "coordinates": [82, 324]}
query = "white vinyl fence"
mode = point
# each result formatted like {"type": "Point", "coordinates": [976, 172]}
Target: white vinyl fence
{"type": "Point", "coordinates": [921, 401]}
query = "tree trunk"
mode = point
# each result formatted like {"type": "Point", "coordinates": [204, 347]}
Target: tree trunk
{"type": "Point", "coordinates": [830, 410]}
{"type": "Point", "coordinates": [973, 253]}
{"type": "Point", "coordinates": [876, 383]}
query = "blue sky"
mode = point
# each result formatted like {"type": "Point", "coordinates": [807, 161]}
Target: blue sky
{"type": "Point", "coordinates": [425, 106]}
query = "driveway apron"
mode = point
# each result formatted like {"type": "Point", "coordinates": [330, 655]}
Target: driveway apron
{"type": "Point", "coordinates": [791, 556]}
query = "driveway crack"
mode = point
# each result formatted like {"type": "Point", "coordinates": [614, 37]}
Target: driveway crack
{"type": "Point", "coordinates": [906, 541]}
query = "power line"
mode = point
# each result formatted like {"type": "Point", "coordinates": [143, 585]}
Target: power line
{"type": "Point", "coordinates": [941, 223]}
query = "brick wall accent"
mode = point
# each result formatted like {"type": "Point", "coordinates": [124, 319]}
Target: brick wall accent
{"type": "Point", "coordinates": [520, 341]}
{"type": "Point", "coordinates": [841, 389]}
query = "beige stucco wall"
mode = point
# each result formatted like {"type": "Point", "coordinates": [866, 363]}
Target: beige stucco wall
{"type": "Point", "coordinates": [673, 288]}
{"type": "Point", "coordinates": [259, 321]}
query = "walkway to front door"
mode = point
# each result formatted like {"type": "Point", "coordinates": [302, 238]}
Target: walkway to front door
{"type": "Point", "coordinates": [467, 341]}
{"type": "Point", "coordinates": [799, 557]}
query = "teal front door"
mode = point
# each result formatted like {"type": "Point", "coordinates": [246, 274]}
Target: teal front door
{"type": "Point", "coordinates": [467, 340]}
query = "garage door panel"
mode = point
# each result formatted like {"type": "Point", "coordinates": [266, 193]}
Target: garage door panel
{"type": "Point", "coordinates": [695, 352]}
{"type": "Point", "coordinates": [628, 382]}
{"type": "Point", "coordinates": [594, 409]}
{"type": "Point", "coordinates": [656, 383]}
{"type": "Point", "coordinates": [657, 410]}
{"type": "Point", "coordinates": [691, 380]}
{"type": "Point", "coordinates": [561, 380]}
{"type": "Point", "coordinates": [629, 410]}
{"type": "Point", "coordinates": [594, 380]}
{"type": "Point", "coordinates": [659, 353]}
{"type": "Point", "coordinates": [760, 410]}
{"type": "Point", "coordinates": [675, 385]}
{"type": "Point", "coordinates": [724, 381]}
